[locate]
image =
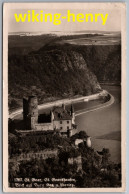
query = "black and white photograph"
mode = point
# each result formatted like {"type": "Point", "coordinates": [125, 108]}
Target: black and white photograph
{"type": "Point", "coordinates": [64, 113]}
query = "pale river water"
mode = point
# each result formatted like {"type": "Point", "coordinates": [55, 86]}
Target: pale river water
{"type": "Point", "coordinates": [102, 122]}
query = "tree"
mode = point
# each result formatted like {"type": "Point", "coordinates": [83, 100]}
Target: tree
{"type": "Point", "coordinates": [105, 157]}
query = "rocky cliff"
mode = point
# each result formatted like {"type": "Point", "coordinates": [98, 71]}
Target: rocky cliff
{"type": "Point", "coordinates": [104, 61]}
{"type": "Point", "coordinates": [56, 72]}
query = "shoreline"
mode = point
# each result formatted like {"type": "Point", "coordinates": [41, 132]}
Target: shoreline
{"type": "Point", "coordinates": [72, 100]}
{"type": "Point", "coordinates": [97, 107]}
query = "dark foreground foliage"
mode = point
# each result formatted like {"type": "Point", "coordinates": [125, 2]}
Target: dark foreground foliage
{"type": "Point", "coordinates": [96, 170]}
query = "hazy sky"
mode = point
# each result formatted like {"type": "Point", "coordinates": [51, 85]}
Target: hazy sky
{"type": "Point", "coordinates": [113, 22]}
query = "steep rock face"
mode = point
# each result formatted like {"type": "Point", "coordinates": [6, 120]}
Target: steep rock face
{"type": "Point", "coordinates": [103, 60]}
{"type": "Point", "coordinates": [56, 72]}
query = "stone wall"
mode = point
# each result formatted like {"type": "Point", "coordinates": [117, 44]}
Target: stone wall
{"type": "Point", "coordinates": [43, 126]}
{"type": "Point", "coordinates": [41, 155]}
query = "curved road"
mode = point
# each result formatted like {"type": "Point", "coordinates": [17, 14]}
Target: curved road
{"type": "Point", "coordinates": [68, 101]}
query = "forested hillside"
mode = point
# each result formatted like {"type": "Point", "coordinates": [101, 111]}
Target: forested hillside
{"type": "Point", "coordinates": [61, 70]}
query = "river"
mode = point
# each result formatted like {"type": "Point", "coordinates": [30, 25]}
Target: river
{"type": "Point", "coordinates": [104, 125]}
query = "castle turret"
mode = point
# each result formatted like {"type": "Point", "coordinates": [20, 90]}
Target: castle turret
{"type": "Point", "coordinates": [88, 142]}
{"type": "Point", "coordinates": [72, 109]}
{"type": "Point", "coordinates": [63, 106]}
{"type": "Point", "coordinates": [52, 116]}
{"type": "Point", "coordinates": [72, 114]}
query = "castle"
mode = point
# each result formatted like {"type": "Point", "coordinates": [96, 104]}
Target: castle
{"type": "Point", "coordinates": [60, 119]}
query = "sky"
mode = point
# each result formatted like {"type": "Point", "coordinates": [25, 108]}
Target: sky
{"type": "Point", "coordinates": [113, 22]}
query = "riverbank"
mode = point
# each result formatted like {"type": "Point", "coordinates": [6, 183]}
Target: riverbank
{"type": "Point", "coordinates": [66, 101]}
{"type": "Point", "coordinates": [98, 107]}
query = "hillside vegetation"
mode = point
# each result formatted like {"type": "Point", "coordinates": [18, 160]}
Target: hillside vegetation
{"type": "Point", "coordinates": [61, 70]}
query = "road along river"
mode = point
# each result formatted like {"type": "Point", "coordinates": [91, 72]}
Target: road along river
{"type": "Point", "coordinates": [67, 101]}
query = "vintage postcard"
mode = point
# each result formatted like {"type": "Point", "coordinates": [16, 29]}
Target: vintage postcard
{"type": "Point", "coordinates": [64, 100]}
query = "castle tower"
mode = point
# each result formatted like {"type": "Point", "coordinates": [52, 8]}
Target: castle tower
{"type": "Point", "coordinates": [33, 110]}
{"type": "Point", "coordinates": [25, 109]}
{"type": "Point", "coordinates": [72, 114]}
{"type": "Point", "coordinates": [30, 112]}
{"type": "Point", "coordinates": [33, 107]}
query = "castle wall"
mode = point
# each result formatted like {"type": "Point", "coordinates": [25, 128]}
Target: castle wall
{"type": "Point", "coordinates": [44, 126]}
{"type": "Point", "coordinates": [33, 122]}
{"type": "Point", "coordinates": [43, 154]}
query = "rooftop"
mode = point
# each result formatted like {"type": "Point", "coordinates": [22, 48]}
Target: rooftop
{"type": "Point", "coordinates": [60, 113]}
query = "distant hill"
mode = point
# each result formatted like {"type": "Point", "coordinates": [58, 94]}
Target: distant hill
{"type": "Point", "coordinates": [116, 135]}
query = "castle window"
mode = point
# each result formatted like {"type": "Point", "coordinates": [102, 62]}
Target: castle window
{"type": "Point", "coordinates": [60, 127]}
{"type": "Point", "coordinates": [67, 127]}
{"type": "Point", "coordinates": [67, 121]}
{"type": "Point", "coordinates": [60, 122]}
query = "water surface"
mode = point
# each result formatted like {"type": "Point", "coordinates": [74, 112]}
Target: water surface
{"type": "Point", "coordinates": [103, 123]}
